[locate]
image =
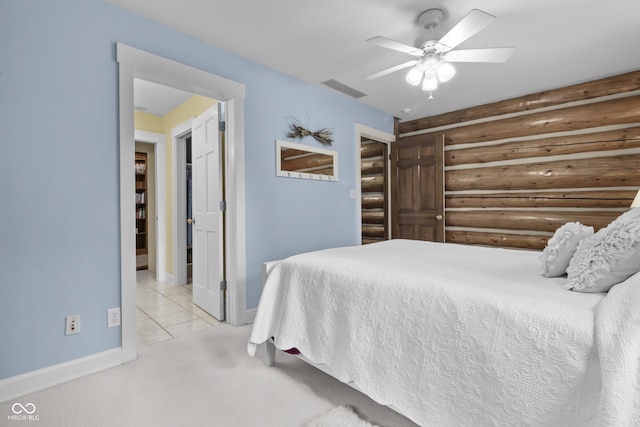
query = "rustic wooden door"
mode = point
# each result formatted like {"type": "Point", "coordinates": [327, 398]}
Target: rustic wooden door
{"type": "Point", "coordinates": [417, 182]}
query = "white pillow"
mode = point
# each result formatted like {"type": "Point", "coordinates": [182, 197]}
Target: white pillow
{"type": "Point", "coordinates": [608, 257]}
{"type": "Point", "coordinates": [561, 247]}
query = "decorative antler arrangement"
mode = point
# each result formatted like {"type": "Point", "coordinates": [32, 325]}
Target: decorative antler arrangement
{"type": "Point", "coordinates": [324, 136]}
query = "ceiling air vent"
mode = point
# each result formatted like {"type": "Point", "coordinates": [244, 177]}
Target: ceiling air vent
{"type": "Point", "coordinates": [341, 87]}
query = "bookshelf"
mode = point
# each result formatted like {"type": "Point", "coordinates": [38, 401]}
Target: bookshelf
{"type": "Point", "coordinates": [142, 238]}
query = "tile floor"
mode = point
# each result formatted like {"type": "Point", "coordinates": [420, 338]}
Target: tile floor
{"type": "Point", "coordinates": [166, 311]}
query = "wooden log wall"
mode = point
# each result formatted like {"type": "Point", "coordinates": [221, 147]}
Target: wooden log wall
{"type": "Point", "coordinates": [518, 169]}
{"type": "Point", "coordinates": [375, 224]}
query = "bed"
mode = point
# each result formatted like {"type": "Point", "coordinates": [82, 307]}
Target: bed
{"type": "Point", "coordinates": [458, 335]}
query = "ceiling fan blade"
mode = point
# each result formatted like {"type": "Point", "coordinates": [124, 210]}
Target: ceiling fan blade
{"type": "Point", "coordinates": [472, 23]}
{"type": "Point", "coordinates": [394, 45]}
{"type": "Point", "coordinates": [496, 54]}
{"type": "Point", "coordinates": [392, 69]}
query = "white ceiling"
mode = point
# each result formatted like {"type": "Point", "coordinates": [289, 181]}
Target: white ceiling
{"type": "Point", "coordinates": [557, 43]}
{"type": "Point", "coordinates": [157, 99]}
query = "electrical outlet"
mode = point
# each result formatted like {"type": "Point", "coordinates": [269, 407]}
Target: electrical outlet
{"type": "Point", "coordinates": [113, 317]}
{"type": "Point", "coordinates": [72, 324]}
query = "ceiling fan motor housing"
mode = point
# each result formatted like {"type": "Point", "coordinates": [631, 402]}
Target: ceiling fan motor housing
{"type": "Point", "coordinates": [429, 19]}
{"type": "Point", "coordinates": [427, 42]}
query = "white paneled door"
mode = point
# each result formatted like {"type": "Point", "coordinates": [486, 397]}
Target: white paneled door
{"type": "Point", "coordinates": [208, 270]}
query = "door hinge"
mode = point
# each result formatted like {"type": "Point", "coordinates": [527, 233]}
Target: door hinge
{"type": "Point", "coordinates": [223, 285]}
{"type": "Point", "coordinates": [223, 205]}
{"type": "Point", "coordinates": [222, 126]}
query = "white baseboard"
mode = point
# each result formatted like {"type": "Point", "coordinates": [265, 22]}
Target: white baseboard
{"type": "Point", "coordinates": [250, 315]}
{"type": "Point", "coordinates": [169, 279]}
{"type": "Point", "coordinates": [30, 382]}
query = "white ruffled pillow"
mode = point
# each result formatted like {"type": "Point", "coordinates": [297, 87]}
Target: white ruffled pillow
{"type": "Point", "coordinates": [561, 247]}
{"type": "Point", "coordinates": [608, 257]}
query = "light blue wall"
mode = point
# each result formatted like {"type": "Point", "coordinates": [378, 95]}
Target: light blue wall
{"type": "Point", "coordinates": [59, 170]}
{"type": "Point", "coordinates": [286, 216]}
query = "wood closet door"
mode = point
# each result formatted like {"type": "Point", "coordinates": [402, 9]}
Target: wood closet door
{"type": "Point", "coordinates": [417, 186]}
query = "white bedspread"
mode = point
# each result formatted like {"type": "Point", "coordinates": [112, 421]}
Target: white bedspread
{"type": "Point", "coordinates": [618, 341]}
{"type": "Point", "coordinates": [455, 335]}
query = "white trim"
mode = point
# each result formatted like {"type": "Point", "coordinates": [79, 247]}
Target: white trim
{"type": "Point", "coordinates": [251, 315]}
{"type": "Point", "coordinates": [127, 220]}
{"type": "Point", "coordinates": [21, 385]}
{"type": "Point", "coordinates": [158, 69]}
{"type": "Point", "coordinates": [375, 134]}
{"type": "Point", "coordinates": [160, 194]}
{"type": "Point", "coordinates": [144, 65]}
{"type": "Point", "coordinates": [385, 138]}
{"type": "Point", "coordinates": [178, 135]}
{"type": "Point", "coordinates": [181, 129]}
{"type": "Point", "coordinates": [235, 229]}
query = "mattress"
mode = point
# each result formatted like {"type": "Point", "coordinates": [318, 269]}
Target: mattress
{"type": "Point", "coordinates": [447, 334]}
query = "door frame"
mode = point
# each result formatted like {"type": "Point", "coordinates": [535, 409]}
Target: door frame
{"type": "Point", "coordinates": [178, 136]}
{"type": "Point", "coordinates": [384, 138]}
{"type": "Point", "coordinates": [132, 63]}
{"type": "Point", "coordinates": [157, 139]}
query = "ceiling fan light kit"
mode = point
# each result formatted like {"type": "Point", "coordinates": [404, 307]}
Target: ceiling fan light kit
{"type": "Point", "coordinates": [445, 71]}
{"type": "Point", "coordinates": [414, 76]}
{"type": "Point", "coordinates": [435, 54]}
{"type": "Point", "coordinates": [431, 71]}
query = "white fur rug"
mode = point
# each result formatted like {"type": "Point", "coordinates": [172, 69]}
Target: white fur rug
{"type": "Point", "coordinates": [341, 416]}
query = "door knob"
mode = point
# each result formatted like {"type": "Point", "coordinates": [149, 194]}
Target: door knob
{"type": "Point", "coordinates": [191, 220]}
{"type": "Point", "coordinates": [439, 217]}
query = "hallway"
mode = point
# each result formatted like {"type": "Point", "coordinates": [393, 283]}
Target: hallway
{"type": "Point", "coordinates": [165, 311]}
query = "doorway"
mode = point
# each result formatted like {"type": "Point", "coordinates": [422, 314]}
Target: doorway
{"type": "Point", "coordinates": [189, 208]}
{"type": "Point", "coordinates": [373, 189]}
{"type": "Point", "coordinates": [183, 219]}
{"type": "Point", "coordinates": [133, 63]}
{"type": "Point", "coordinates": [145, 214]}
{"type": "Point", "coordinates": [153, 144]}
{"type": "Point", "coordinates": [374, 184]}
{"type": "Point", "coordinates": [202, 243]}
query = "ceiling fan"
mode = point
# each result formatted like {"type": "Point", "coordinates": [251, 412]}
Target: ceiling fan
{"type": "Point", "coordinates": [435, 54]}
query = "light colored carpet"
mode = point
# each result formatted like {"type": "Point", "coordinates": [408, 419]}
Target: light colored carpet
{"type": "Point", "coordinates": [342, 416]}
{"type": "Point", "coordinates": [202, 379]}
